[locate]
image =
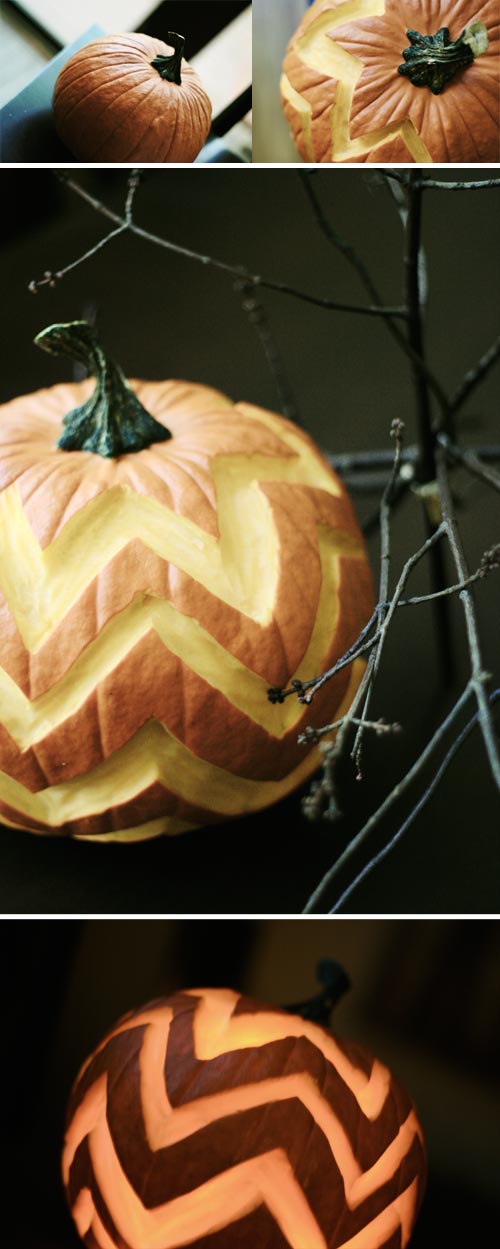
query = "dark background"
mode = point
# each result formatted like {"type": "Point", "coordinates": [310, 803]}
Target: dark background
{"type": "Point", "coordinates": [424, 999]}
{"type": "Point", "coordinates": [198, 20]}
{"type": "Point", "coordinates": [163, 315]}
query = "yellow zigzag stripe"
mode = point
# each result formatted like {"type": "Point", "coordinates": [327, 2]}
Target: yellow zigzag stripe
{"type": "Point", "coordinates": [154, 754]}
{"type": "Point", "coordinates": [269, 1178]}
{"type": "Point", "coordinates": [28, 721]}
{"type": "Point", "coordinates": [166, 1125]}
{"type": "Point", "coordinates": [241, 568]}
{"type": "Point", "coordinates": [217, 1029]}
{"type": "Point", "coordinates": [318, 51]}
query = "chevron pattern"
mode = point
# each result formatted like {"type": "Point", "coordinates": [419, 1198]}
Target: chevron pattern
{"type": "Point", "coordinates": [148, 603]}
{"type": "Point", "coordinates": [208, 1120]}
{"type": "Point", "coordinates": [337, 57]}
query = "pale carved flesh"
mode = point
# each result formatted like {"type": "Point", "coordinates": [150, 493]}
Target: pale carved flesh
{"type": "Point", "coordinates": [345, 100]}
{"type": "Point", "coordinates": [149, 602]}
{"type": "Point", "coordinates": [219, 1092]}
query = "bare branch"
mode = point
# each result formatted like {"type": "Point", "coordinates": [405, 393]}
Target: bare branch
{"type": "Point", "coordinates": [471, 625]}
{"type": "Point", "coordinates": [474, 376]}
{"type": "Point", "coordinates": [388, 803]}
{"type": "Point", "coordinates": [258, 318]}
{"type": "Point", "coordinates": [419, 806]}
{"type": "Point", "coordinates": [235, 271]}
{"type": "Point", "coordinates": [434, 184]}
{"type": "Point", "coordinates": [471, 461]}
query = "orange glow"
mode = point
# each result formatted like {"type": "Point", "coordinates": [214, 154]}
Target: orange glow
{"type": "Point", "coordinates": [266, 1179]}
{"type": "Point", "coordinates": [216, 1031]}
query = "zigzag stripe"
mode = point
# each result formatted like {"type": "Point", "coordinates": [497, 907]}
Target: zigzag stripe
{"type": "Point", "coordinates": [28, 721]}
{"type": "Point", "coordinates": [316, 50]}
{"type": "Point", "coordinates": [217, 1029]}
{"type": "Point", "coordinates": [41, 586]}
{"type": "Point", "coordinates": [266, 1179]}
{"type": "Point", "coordinates": [154, 754]}
{"type": "Point", "coordinates": [165, 1125]}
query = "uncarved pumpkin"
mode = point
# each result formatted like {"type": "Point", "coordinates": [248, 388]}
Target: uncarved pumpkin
{"type": "Point", "coordinates": [151, 594]}
{"type": "Point", "coordinates": [131, 98]}
{"type": "Point", "coordinates": [210, 1120]}
{"type": "Point", "coordinates": [350, 81]}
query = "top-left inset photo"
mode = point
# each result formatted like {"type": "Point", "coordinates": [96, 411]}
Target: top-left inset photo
{"type": "Point", "coordinates": [126, 82]}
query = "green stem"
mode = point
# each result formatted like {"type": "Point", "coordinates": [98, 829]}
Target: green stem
{"type": "Point", "coordinates": [169, 67]}
{"type": "Point", "coordinates": [112, 421]}
{"type": "Point", "coordinates": [433, 60]}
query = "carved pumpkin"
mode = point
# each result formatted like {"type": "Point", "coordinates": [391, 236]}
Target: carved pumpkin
{"type": "Point", "coordinates": [395, 81]}
{"type": "Point", "coordinates": [208, 1119]}
{"type": "Point", "coordinates": [151, 594]}
{"type": "Point", "coordinates": [129, 98]}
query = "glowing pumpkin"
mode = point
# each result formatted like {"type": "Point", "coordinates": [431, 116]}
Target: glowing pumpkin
{"type": "Point", "coordinates": [209, 1119]}
{"type": "Point", "coordinates": [395, 81]}
{"type": "Point", "coordinates": [151, 594]}
{"type": "Point", "coordinates": [130, 98]}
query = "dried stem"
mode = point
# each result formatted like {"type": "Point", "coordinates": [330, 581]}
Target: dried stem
{"type": "Point", "coordinates": [236, 271]}
{"type": "Point", "coordinates": [410, 777]}
{"type": "Point", "coordinates": [257, 317]}
{"type": "Point", "coordinates": [478, 677]}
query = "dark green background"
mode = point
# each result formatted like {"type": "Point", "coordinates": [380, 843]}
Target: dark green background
{"type": "Point", "coordinates": [163, 315]}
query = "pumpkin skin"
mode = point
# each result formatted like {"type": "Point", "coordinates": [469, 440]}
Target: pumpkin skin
{"type": "Point", "coordinates": [110, 104]}
{"type": "Point", "coordinates": [148, 602]}
{"type": "Point", "coordinates": [346, 102]}
{"type": "Point", "coordinates": [210, 1120]}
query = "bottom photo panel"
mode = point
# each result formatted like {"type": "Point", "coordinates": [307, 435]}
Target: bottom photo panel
{"type": "Point", "coordinates": [251, 1084]}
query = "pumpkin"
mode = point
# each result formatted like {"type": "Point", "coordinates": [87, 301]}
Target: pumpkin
{"type": "Point", "coordinates": [395, 81]}
{"type": "Point", "coordinates": [130, 98]}
{"type": "Point", "coordinates": [166, 556]}
{"type": "Point", "coordinates": [208, 1119]}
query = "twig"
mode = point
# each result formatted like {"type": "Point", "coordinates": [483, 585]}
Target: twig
{"type": "Point", "coordinates": [422, 802]}
{"type": "Point", "coordinates": [388, 802]}
{"type": "Point", "coordinates": [434, 184]}
{"type": "Point", "coordinates": [235, 271]}
{"type": "Point", "coordinates": [259, 320]}
{"type": "Point", "coordinates": [471, 625]}
{"type": "Point", "coordinates": [350, 254]}
{"type": "Point", "coordinates": [470, 460]}
{"type": "Point", "coordinates": [341, 245]}
{"type": "Point", "coordinates": [414, 298]}
{"type": "Point", "coordinates": [474, 376]}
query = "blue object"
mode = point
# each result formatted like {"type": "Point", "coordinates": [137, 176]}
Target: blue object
{"type": "Point", "coordinates": [27, 132]}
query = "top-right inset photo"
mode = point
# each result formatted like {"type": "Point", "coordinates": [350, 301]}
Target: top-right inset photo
{"type": "Point", "coordinates": [383, 81]}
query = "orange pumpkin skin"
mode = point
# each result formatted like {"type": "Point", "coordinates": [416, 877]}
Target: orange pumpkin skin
{"type": "Point", "coordinates": [210, 1120]}
{"type": "Point", "coordinates": [110, 104]}
{"type": "Point", "coordinates": [148, 602]}
{"type": "Point", "coordinates": [346, 102]}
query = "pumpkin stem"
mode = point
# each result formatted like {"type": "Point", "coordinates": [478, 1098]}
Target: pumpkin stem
{"type": "Point", "coordinates": [432, 60]}
{"type": "Point", "coordinates": [169, 67]}
{"type": "Point", "coordinates": [112, 421]}
{"type": "Point", "coordinates": [335, 983]}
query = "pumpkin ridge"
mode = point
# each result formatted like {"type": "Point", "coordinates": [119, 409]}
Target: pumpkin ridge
{"type": "Point", "coordinates": [169, 535]}
{"type": "Point", "coordinates": [125, 119]}
{"type": "Point", "coordinates": [110, 68]}
{"type": "Point", "coordinates": [118, 635]}
{"type": "Point", "coordinates": [152, 755]}
{"type": "Point", "coordinates": [187, 1114]}
{"type": "Point", "coordinates": [94, 91]}
{"type": "Point", "coordinates": [372, 34]}
{"type": "Point", "coordinates": [170, 125]}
